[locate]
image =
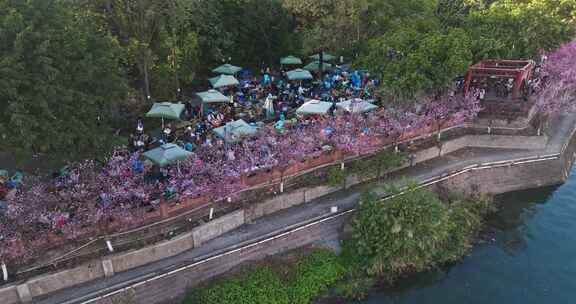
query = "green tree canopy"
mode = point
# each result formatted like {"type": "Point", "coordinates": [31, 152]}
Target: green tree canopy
{"type": "Point", "coordinates": [412, 232]}
{"type": "Point", "coordinates": [60, 75]}
{"type": "Point", "coordinates": [160, 45]}
{"type": "Point", "coordinates": [520, 29]}
{"type": "Point", "coordinates": [411, 62]}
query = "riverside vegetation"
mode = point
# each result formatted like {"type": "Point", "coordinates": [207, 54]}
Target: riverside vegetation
{"type": "Point", "coordinates": [413, 231]}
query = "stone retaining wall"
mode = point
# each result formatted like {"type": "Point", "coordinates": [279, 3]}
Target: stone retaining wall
{"type": "Point", "coordinates": [153, 253]}
{"type": "Point", "coordinates": [49, 283]}
{"type": "Point", "coordinates": [9, 295]}
{"type": "Point", "coordinates": [217, 227]}
{"type": "Point", "coordinates": [171, 289]}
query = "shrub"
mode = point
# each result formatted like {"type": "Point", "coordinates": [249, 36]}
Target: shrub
{"type": "Point", "coordinates": [309, 278]}
{"type": "Point", "coordinates": [336, 177]}
{"type": "Point", "coordinates": [261, 286]}
{"type": "Point", "coordinates": [377, 165]}
{"type": "Point", "coordinates": [412, 232]}
{"type": "Point", "coordinates": [314, 275]}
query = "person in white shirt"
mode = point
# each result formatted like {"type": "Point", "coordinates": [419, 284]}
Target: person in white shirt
{"type": "Point", "coordinates": [301, 90]}
{"type": "Point", "coordinates": [140, 126]}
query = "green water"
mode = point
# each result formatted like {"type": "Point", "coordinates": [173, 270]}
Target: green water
{"type": "Point", "coordinates": [531, 259]}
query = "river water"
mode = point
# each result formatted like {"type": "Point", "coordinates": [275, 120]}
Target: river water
{"type": "Point", "coordinates": [531, 259]}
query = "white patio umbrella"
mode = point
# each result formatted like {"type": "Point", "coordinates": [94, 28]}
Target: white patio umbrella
{"type": "Point", "coordinates": [356, 106]}
{"type": "Point", "coordinates": [314, 107]}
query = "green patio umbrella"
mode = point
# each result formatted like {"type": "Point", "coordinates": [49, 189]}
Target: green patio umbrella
{"type": "Point", "coordinates": [291, 60]}
{"type": "Point", "coordinates": [4, 176]}
{"type": "Point", "coordinates": [166, 154]}
{"type": "Point", "coordinates": [227, 69]}
{"type": "Point", "coordinates": [212, 96]}
{"type": "Point", "coordinates": [326, 57]}
{"type": "Point", "coordinates": [315, 66]}
{"type": "Point", "coordinates": [223, 81]}
{"type": "Point", "coordinates": [299, 74]}
{"type": "Point", "coordinates": [233, 132]}
{"type": "Point", "coordinates": [166, 110]}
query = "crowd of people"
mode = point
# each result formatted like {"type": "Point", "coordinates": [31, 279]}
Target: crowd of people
{"type": "Point", "coordinates": [265, 98]}
{"type": "Point", "coordinates": [8, 184]}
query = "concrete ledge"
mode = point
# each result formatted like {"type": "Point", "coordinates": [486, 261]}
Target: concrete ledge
{"type": "Point", "coordinates": [317, 192]}
{"type": "Point", "coordinates": [482, 141]}
{"type": "Point", "coordinates": [217, 227]}
{"type": "Point", "coordinates": [275, 204]}
{"type": "Point", "coordinates": [9, 295]}
{"type": "Point", "coordinates": [108, 268]}
{"type": "Point", "coordinates": [24, 293]}
{"type": "Point", "coordinates": [503, 142]}
{"type": "Point", "coordinates": [152, 253]}
{"type": "Point", "coordinates": [64, 279]}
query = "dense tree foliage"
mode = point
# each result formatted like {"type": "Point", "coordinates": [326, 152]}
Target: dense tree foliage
{"type": "Point", "coordinates": [60, 73]}
{"type": "Point", "coordinates": [428, 44]}
{"type": "Point", "coordinates": [96, 53]}
{"type": "Point", "coordinates": [413, 231]}
{"type": "Point", "coordinates": [411, 62]}
{"type": "Point", "coordinates": [521, 29]}
{"type": "Point", "coordinates": [159, 41]}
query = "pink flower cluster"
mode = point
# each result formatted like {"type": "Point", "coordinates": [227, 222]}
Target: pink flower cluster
{"type": "Point", "coordinates": [94, 195]}
{"type": "Point", "coordinates": [559, 75]}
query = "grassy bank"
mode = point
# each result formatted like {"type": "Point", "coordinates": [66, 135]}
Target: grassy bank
{"type": "Point", "coordinates": [410, 233]}
{"type": "Point", "coordinates": [298, 281]}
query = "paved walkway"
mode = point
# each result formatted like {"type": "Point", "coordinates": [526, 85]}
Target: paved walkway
{"type": "Point", "coordinates": [272, 224]}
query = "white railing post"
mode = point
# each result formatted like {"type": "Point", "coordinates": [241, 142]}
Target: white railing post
{"type": "Point", "coordinates": [4, 272]}
{"type": "Point", "coordinates": [109, 245]}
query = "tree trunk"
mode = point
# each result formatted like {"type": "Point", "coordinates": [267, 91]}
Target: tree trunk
{"type": "Point", "coordinates": [176, 78]}
{"type": "Point", "coordinates": [321, 64]}
{"type": "Point", "coordinates": [146, 78]}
